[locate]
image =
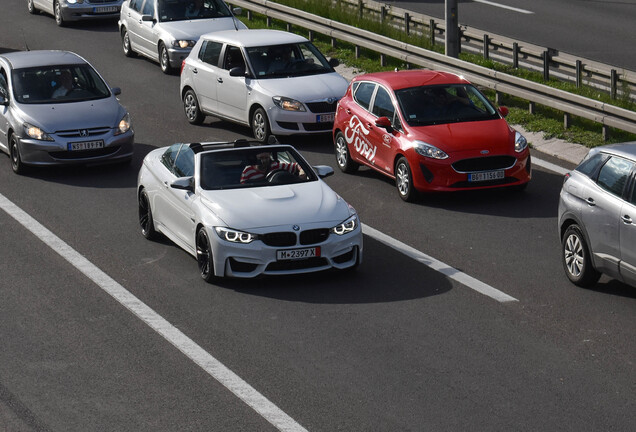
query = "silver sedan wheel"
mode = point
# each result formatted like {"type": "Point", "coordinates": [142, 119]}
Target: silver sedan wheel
{"type": "Point", "coordinates": [164, 60]}
{"type": "Point", "coordinates": [59, 20]}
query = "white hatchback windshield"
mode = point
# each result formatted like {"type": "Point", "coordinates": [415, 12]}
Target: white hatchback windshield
{"type": "Point", "coordinates": [288, 60]}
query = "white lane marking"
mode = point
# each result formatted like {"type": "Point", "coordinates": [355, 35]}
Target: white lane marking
{"type": "Point", "coordinates": [550, 166]}
{"type": "Point", "coordinates": [429, 261]}
{"type": "Point", "coordinates": [183, 343]}
{"type": "Point", "coordinates": [523, 11]}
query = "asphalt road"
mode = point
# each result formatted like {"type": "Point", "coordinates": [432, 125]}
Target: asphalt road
{"type": "Point", "coordinates": [599, 30]}
{"type": "Point", "coordinates": [394, 346]}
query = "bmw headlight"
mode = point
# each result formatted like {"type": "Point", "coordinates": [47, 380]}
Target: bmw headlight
{"type": "Point", "coordinates": [520, 142]}
{"type": "Point", "coordinates": [346, 226]}
{"type": "Point", "coordinates": [428, 150]}
{"type": "Point", "coordinates": [183, 43]}
{"type": "Point", "coordinates": [288, 104]}
{"type": "Point", "coordinates": [36, 133]}
{"type": "Point", "coordinates": [124, 125]}
{"type": "Point", "coordinates": [235, 236]}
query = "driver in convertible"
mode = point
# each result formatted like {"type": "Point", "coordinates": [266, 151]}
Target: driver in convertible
{"type": "Point", "coordinates": [266, 165]}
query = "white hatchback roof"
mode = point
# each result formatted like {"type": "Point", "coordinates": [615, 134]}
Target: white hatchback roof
{"type": "Point", "coordinates": [252, 38]}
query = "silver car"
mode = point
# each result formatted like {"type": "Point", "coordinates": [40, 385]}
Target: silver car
{"type": "Point", "coordinates": [166, 30]}
{"type": "Point", "coordinates": [597, 216]}
{"type": "Point", "coordinates": [56, 109]}
{"type": "Point", "coordinates": [75, 10]}
{"type": "Point", "coordinates": [276, 82]}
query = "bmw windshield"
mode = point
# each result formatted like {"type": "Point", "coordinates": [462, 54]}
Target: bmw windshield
{"type": "Point", "coordinates": [288, 60]}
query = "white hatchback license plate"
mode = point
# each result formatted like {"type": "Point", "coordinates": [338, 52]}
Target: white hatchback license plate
{"type": "Point", "coordinates": [324, 118]}
{"type": "Point", "coordinates": [87, 145]}
{"type": "Point", "coordinates": [485, 176]}
{"type": "Point", "coordinates": [106, 9]}
{"type": "Point", "coordinates": [294, 254]}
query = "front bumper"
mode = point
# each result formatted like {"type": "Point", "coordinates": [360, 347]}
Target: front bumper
{"type": "Point", "coordinates": [116, 148]}
{"type": "Point", "coordinates": [90, 11]}
{"type": "Point", "coordinates": [299, 122]}
{"type": "Point", "coordinates": [177, 56]}
{"type": "Point", "coordinates": [257, 258]}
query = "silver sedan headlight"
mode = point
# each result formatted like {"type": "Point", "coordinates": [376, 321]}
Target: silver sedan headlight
{"type": "Point", "coordinates": [234, 236]}
{"type": "Point", "coordinates": [183, 43]}
{"type": "Point", "coordinates": [347, 226]}
{"type": "Point", "coordinates": [288, 104]}
{"type": "Point", "coordinates": [36, 133]}
{"type": "Point", "coordinates": [520, 142]}
{"type": "Point", "coordinates": [428, 150]}
{"type": "Point", "coordinates": [124, 125]}
{"type": "Point", "coordinates": [74, 1]}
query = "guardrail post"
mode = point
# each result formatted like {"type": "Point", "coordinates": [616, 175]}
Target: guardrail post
{"type": "Point", "coordinates": [531, 107]}
{"type": "Point", "coordinates": [486, 46]}
{"type": "Point", "coordinates": [407, 23]}
{"type": "Point", "coordinates": [605, 132]}
{"type": "Point", "coordinates": [431, 26]}
{"type": "Point", "coordinates": [498, 98]}
{"type": "Point", "coordinates": [249, 15]}
{"type": "Point", "coordinates": [310, 36]}
{"type": "Point", "coordinates": [289, 27]}
{"type": "Point", "coordinates": [333, 42]}
{"type": "Point", "coordinates": [579, 73]}
{"type": "Point", "coordinates": [357, 51]}
{"type": "Point", "coordinates": [515, 55]}
{"type": "Point", "coordinates": [382, 60]}
{"type": "Point", "coordinates": [566, 120]}
{"type": "Point", "coordinates": [360, 9]}
{"type": "Point", "coordinates": [382, 13]}
{"type": "Point", "coordinates": [546, 65]}
{"type": "Point", "coordinates": [613, 83]}
{"type": "Point", "coordinates": [268, 21]}
{"type": "Point", "coordinates": [452, 29]}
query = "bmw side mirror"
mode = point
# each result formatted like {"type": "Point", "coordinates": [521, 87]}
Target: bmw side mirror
{"type": "Point", "coordinates": [116, 91]}
{"type": "Point", "coordinates": [323, 170]}
{"type": "Point", "coordinates": [237, 71]}
{"type": "Point", "coordinates": [183, 183]}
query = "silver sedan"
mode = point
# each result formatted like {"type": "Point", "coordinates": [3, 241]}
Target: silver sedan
{"type": "Point", "coordinates": [76, 10]}
{"type": "Point", "coordinates": [56, 109]}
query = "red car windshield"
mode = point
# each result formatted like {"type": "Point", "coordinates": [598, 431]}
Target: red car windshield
{"type": "Point", "coordinates": [430, 105]}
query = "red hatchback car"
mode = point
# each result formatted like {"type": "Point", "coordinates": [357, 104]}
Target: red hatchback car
{"type": "Point", "coordinates": [431, 131]}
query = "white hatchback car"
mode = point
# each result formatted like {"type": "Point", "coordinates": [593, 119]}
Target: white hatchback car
{"type": "Point", "coordinates": [276, 82]}
{"type": "Point", "coordinates": [166, 30]}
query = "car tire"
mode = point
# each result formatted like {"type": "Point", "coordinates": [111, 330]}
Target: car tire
{"type": "Point", "coordinates": [404, 180]}
{"type": "Point", "coordinates": [57, 11]}
{"type": "Point", "coordinates": [260, 125]}
{"type": "Point", "coordinates": [577, 261]}
{"type": "Point", "coordinates": [164, 59]}
{"type": "Point", "coordinates": [191, 107]}
{"type": "Point", "coordinates": [14, 153]}
{"type": "Point", "coordinates": [31, 7]}
{"type": "Point", "coordinates": [125, 43]}
{"type": "Point", "coordinates": [146, 221]}
{"type": "Point", "coordinates": [343, 157]}
{"type": "Point", "coordinates": [204, 256]}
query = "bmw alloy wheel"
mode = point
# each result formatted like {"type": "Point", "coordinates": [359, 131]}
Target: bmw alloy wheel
{"type": "Point", "coordinates": [204, 255]}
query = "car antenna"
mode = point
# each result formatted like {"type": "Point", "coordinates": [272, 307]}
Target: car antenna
{"type": "Point", "coordinates": [26, 45]}
{"type": "Point", "coordinates": [234, 20]}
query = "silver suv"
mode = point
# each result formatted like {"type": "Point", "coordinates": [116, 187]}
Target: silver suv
{"type": "Point", "coordinates": [597, 208]}
{"type": "Point", "coordinates": [166, 30]}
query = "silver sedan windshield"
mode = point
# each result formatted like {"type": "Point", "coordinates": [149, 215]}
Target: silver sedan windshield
{"type": "Point", "coordinates": [179, 10]}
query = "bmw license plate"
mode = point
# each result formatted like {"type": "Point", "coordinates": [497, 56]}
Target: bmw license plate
{"type": "Point", "coordinates": [485, 176]}
{"type": "Point", "coordinates": [325, 118]}
{"type": "Point", "coordinates": [86, 145]}
{"type": "Point", "coordinates": [295, 254]}
{"type": "Point", "coordinates": [106, 9]}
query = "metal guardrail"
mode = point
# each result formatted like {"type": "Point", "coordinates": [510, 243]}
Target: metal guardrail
{"type": "Point", "coordinates": [570, 104]}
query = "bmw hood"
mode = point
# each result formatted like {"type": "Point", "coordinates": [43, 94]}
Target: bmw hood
{"type": "Point", "coordinates": [306, 88]}
{"type": "Point", "coordinates": [193, 29]}
{"type": "Point", "coordinates": [74, 115]}
{"type": "Point", "coordinates": [258, 207]}
{"type": "Point", "coordinates": [494, 135]}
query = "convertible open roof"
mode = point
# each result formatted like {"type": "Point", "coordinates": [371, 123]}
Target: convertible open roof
{"type": "Point", "coordinates": [239, 143]}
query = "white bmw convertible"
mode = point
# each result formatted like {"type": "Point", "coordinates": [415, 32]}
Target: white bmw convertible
{"type": "Point", "coordinates": [244, 209]}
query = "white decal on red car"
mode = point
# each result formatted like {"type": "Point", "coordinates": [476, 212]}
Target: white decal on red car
{"type": "Point", "coordinates": [356, 133]}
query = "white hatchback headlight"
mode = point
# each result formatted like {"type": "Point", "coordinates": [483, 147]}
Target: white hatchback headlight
{"type": "Point", "coordinates": [520, 142]}
{"type": "Point", "coordinates": [235, 236]}
{"type": "Point", "coordinates": [36, 133]}
{"type": "Point", "coordinates": [124, 125]}
{"type": "Point", "coordinates": [346, 226]}
{"type": "Point", "coordinates": [288, 104]}
{"type": "Point", "coordinates": [428, 150]}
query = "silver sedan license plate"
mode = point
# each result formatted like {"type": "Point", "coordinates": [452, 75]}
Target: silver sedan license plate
{"type": "Point", "coordinates": [106, 9]}
{"type": "Point", "coordinates": [86, 145]}
{"type": "Point", "coordinates": [485, 176]}
{"type": "Point", "coordinates": [294, 254]}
